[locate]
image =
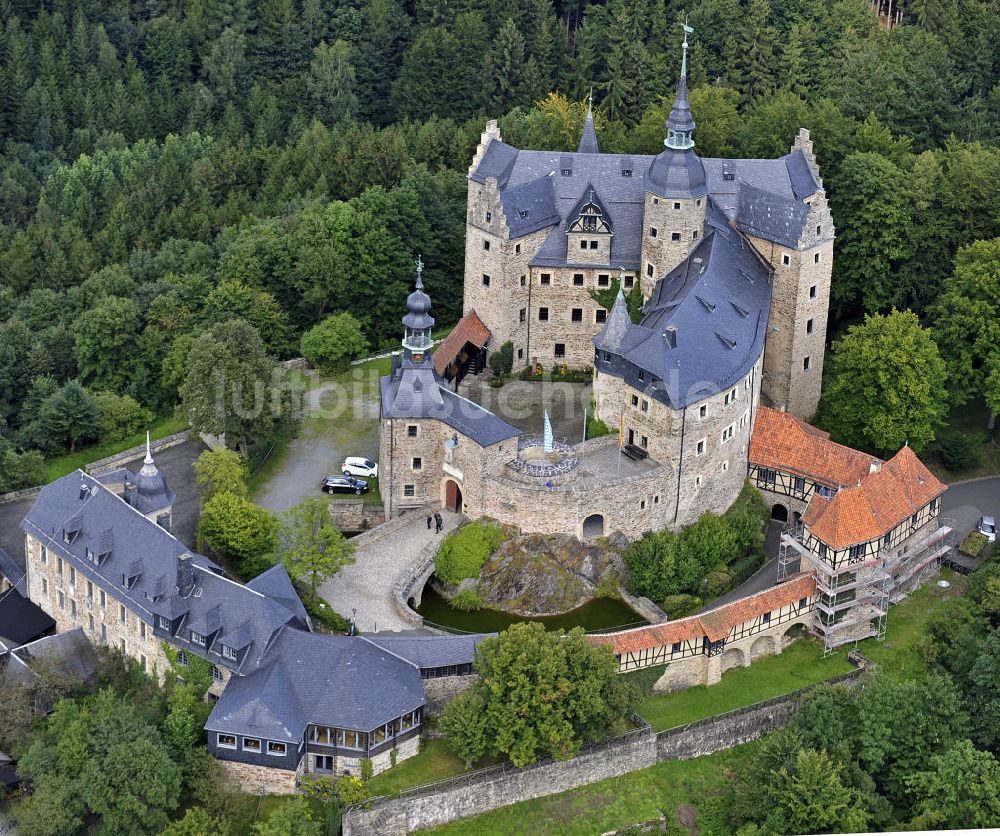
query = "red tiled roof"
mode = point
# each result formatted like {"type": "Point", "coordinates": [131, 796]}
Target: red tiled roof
{"type": "Point", "coordinates": [877, 505]}
{"type": "Point", "coordinates": [715, 624]}
{"type": "Point", "coordinates": [782, 442]}
{"type": "Point", "coordinates": [470, 329]}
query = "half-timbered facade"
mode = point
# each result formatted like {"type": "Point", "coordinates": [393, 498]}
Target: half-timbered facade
{"type": "Point", "coordinates": [699, 649]}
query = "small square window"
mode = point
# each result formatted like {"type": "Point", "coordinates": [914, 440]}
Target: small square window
{"type": "Point", "coordinates": [543, 314]}
{"type": "Point", "coordinates": [819, 229]}
{"type": "Point", "coordinates": [803, 602]}
{"type": "Point", "coordinates": [656, 200]}
{"type": "Point", "coordinates": [522, 314]}
{"type": "Point", "coordinates": [524, 281]}
{"type": "Point", "coordinates": [601, 315]}
{"type": "Point", "coordinates": [649, 269]}
{"type": "Point", "coordinates": [642, 505]}
{"type": "Point", "coordinates": [567, 172]}
{"type": "Point", "coordinates": [786, 259]}
{"type": "Point", "coordinates": [694, 235]}
{"type": "Point", "coordinates": [560, 350]}
{"type": "Point", "coordinates": [629, 281]}
{"type": "Point", "coordinates": [578, 279]}
{"type": "Point", "coordinates": [809, 326]}
{"type": "Point", "coordinates": [675, 236]}
{"type": "Point", "coordinates": [644, 441]}
{"type": "Point", "coordinates": [765, 618]}
{"type": "Point", "coordinates": [486, 280]}
{"type": "Point", "coordinates": [576, 315]}
{"type": "Point", "coordinates": [517, 249]}
{"type": "Point", "coordinates": [418, 463]}
{"type": "Point", "coordinates": [408, 490]}
{"type": "Point", "coordinates": [489, 217]}
{"type": "Point", "coordinates": [725, 466]}
{"type": "Point", "coordinates": [583, 244]}
{"type": "Point", "coordinates": [411, 430]}
{"type": "Point", "coordinates": [697, 481]}
{"type": "Point", "coordinates": [812, 292]}
{"type": "Point", "coordinates": [546, 278]}
{"type": "Point", "coordinates": [486, 244]}
{"type": "Point", "coordinates": [652, 232]}
{"type": "Point", "coordinates": [675, 647]}
{"type": "Point", "coordinates": [677, 205]}
{"type": "Point", "coordinates": [520, 354]}
{"type": "Point", "coordinates": [702, 411]}
{"type": "Point", "coordinates": [593, 245]}
{"type": "Point", "coordinates": [603, 280]}
{"type": "Point", "coordinates": [698, 202]}
{"type": "Point", "coordinates": [656, 499]}
{"type": "Point", "coordinates": [700, 448]}
{"type": "Point", "coordinates": [635, 400]}
{"type": "Point", "coordinates": [805, 364]}
{"type": "Point", "coordinates": [645, 405]}
{"type": "Point", "coordinates": [816, 258]}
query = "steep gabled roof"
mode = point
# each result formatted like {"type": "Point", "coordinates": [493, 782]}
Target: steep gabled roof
{"type": "Point", "coordinates": [781, 441]}
{"type": "Point", "coordinates": [470, 329]}
{"type": "Point", "coordinates": [883, 500]}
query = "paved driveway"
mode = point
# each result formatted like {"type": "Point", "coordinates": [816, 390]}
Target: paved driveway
{"type": "Point", "coordinates": [341, 420]}
{"type": "Point", "coordinates": [367, 584]}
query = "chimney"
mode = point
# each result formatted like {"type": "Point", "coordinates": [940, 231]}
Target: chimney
{"type": "Point", "coordinates": [185, 575]}
{"type": "Point", "coordinates": [670, 336]}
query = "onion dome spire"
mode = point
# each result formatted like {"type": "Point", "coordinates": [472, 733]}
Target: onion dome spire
{"type": "Point", "coordinates": [418, 321]}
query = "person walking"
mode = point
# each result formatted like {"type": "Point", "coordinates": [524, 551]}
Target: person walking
{"type": "Point", "coordinates": [438, 523]}
{"type": "Point", "coordinates": [429, 518]}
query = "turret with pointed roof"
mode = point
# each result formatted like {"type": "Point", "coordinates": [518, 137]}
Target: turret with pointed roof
{"type": "Point", "coordinates": [418, 321]}
{"type": "Point", "coordinates": [588, 139]}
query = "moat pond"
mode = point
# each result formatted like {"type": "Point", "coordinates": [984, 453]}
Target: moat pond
{"type": "Point", "coordinates": [596, 614]}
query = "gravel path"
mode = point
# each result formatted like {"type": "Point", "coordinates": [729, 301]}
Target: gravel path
{"type": "Point", "coordinates": [367, 584]}
{"type": "Point", "coordinates": [341, 420]}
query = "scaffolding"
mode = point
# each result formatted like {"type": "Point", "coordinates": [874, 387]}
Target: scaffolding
{"type": "Point", "coordinates": [853, 599]}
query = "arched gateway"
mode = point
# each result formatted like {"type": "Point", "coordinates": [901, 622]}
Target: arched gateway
{"type": "Point", "coordinates": [453, 496]}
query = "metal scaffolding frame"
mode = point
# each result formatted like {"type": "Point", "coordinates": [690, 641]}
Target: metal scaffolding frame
{"type": "Point", "coordinates": [853, 599]}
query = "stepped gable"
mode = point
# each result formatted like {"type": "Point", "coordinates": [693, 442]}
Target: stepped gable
{"type": "Point", "coordinates": [722, 288]}
{"type": "Point", "coordinates": [470, 329]}
{"type": "Point", "coordinates": [715, 624]}
{"type": "Point", "coordinates": [143, 570]}
{"type": "Point", "coordinates": [339, 681]}
{"type": "Point", "coordinates": [872, 508]}
{"type": "Point", "coordinates": [541, 188]}
{"type": "Point", "coordinates": [781, 441]}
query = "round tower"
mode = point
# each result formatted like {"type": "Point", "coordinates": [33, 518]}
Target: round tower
{"type": "Point", "coordinates": [676, 192]}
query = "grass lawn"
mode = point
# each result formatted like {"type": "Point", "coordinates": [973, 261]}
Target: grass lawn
{"type": "Point", "coordinates": [676, 788]}
{"type": "Point", "coordinates": [59, 466]}
{"type": "Point", "coordinates": [434, 762]}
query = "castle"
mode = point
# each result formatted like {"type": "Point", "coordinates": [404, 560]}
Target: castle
{"type": "Point", "coordinates": [733, 259]}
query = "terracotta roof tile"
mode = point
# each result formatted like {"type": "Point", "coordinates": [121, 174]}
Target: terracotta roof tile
{"type": "Point", "coordinates": [782, 442]}
{"type": "Point", "coordinates": [470, 329]}
{"type": "Point", "coordinates": [881, 502]}
{"type": "Point", "coordinates": [715, 624]}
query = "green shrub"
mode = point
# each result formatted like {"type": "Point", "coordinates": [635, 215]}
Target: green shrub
{"type": "Point", "coordinates": [367, 769]}
{"type": "Point", "coordinates": [467, 600]}
{"type": "Point", "coordinates": [719, 581]}
{"type": "Point", "coordinates": [973, 544]}
{"type": "Point", "coordinates": [680, 605]}
{"type": "Point", "coordinates": [465, 550]}
{"type": "Point", "coordinates": [957, 451]}
{"type": "Point", "coordinates": [119, 417]}
{"type": "Point", "coordinates": [351, 789]}
{"type": "Point", "coordinates": [334, 342]}
{"type": "Point", "coordinates": [322, 612]}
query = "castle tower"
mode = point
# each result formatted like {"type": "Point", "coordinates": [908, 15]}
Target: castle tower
{"type": "Point", "coordinates": [676, 192]}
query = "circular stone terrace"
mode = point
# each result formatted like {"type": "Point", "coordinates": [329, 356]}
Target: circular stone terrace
{"type": "Point", "coordinates": [534, 460]}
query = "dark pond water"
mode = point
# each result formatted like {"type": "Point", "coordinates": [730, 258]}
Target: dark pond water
{"type": "Point", "coordinates": [598, 614]}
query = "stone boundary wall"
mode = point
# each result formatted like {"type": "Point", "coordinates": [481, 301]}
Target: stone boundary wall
{"type": "Point", "coordinates": [479, 792]}
{"type": "Point", "coordinates": [102, 465]}
{"type": "Point", "coordinates": [646, 608]}
{"type": "Point", "coordinates": [354, 515]}
{"type": "Point", "coordinates": [111, 462]}
{"type": "Point", "coordinates": [410, 582]}
{"type": "Point", "coordinates": [366, 538]}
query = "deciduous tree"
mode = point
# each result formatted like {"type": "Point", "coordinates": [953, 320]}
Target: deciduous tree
{"type": "Point", "coordinates": [312, 547]}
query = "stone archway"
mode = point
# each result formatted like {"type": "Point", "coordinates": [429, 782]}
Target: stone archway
{"type": "Point", "coordinates": [779, 512]}
{"type": "Point", "coordinates": [453, 496]}
{"type": "Point", "coordinates": [795, 631]}
{"type": "Point", "coordinates": [593, 526]}
{"type": "Point", "coordinates": [762, 646]}
{"type": "Point", "coordinates": [732, 658]}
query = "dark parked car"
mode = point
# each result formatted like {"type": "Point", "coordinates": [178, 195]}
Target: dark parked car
{"type": "Point", "coordinates": [344, 484]}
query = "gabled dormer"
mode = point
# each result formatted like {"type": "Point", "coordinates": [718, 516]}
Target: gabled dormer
{"type": "Point", "coordinates": [589, 230]}
{"type": "Point", "coordinates": [72, 528]}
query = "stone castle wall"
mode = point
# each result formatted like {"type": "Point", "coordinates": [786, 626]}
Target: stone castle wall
{"type": "Point", "coordinates": [679, 225]}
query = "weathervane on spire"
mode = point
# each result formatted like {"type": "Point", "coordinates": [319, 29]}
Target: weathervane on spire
{"type": "Point", "coordinates": [684, 60]}
{"type": "Point", "coordinates": [420, 272]}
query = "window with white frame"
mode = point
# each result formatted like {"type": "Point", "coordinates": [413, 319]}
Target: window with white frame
{"type": "Point", "coordinates": [408, 490]}
{"type": "Point", "coordinates": [228, 652]}
{"type": "Point", "coordinates": [727, 433]}
{"type": "Point", "coordinates": [702, 411]}
{"type": "Point", "coordinates": [226, 741]}
{"type": "Point", "coordinates": [197, 638]}
{"type": "Point", "coordinates": [700, 447]}
{"type": "Point", "coordinates": [276, 748]}
{"type": "Point", "coordinates": [251, 744]}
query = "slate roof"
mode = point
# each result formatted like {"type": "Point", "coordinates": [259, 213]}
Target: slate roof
{"type": "Point", "coordinates": [340, 681]}
{"type": "Point", "coordinates": [21, 620]}
{"type": "Point", "coordinates": [141, 547]}
{"type": "Point", "coordinates": [715, 624]}
{"type": "Point", "coordinates": [716, 304]}
{"type": "Point", "coordinates": [68, 655]}
{"type": "Point", "coordinates": [13, 573]}
{"type": "Point", "coordinates": [470, 329]}
{"type": "Point", "coordinates": [882, 500]}
{"type": "Point", "coordinates": [783, 442]}
{"type": "Point", "coordinates": [588, 137]}
{"type": "Point", "coordinates": [430, 651]}
{"type": "Point", "coordinates": [414, 390]}
{"type": "Point", "coordinates": [532, 182]}
{"type": "Point", "coordinates": [276, 585]}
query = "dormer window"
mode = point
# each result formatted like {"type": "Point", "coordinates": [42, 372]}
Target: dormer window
{"type": "Point", "coordinates": [163, 623]}
{"type": "Point", "coordinates": [197, 638]}
{"type": "Point", "coordinates": [228, 653]}
{"type": "Point", "coordinates": [626, 172]}
{"type": "Point", "coordinates": [567, 172]}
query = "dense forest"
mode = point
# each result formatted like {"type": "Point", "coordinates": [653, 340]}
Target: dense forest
{"type": "Point", "coordinates": [169, 164]}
